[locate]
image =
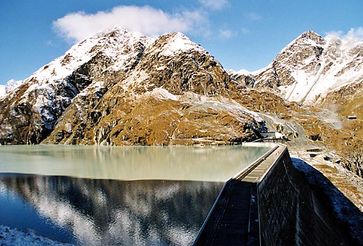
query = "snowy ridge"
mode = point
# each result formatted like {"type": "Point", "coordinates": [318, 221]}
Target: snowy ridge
{"type": "Point", "coordinates": [340, 64]}
{"type": "Point", "coordinates": [113, 44]}
{"type": "Point", "coordinates": [311, 66]}
{"type": "Point", "coordinates": [12, 84]}
{"type": "Point", "coordinates": [178, 43]}
{"type": "Point", "coordinates": [170, 46]}
{"type": "Point", "coordinates": [118, 46]}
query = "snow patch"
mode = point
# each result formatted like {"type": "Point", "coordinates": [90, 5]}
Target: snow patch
{"type": "Point", "coordinates": [137, 77]}
{"type": "Point", "coordinates": [10, 237]}
{"type": "Point", "coordinates": [200, 101]}
{"type": "Point", "coordinates": [180, 43]}
{"type": "Point", "coordinates": [12, 84]}
{"type": "Point", "coordinates": [92, 88]}
{"type": "Point", "coordinates": [162, 94]}
{"type": "Point", "coordinates": [2, 91]}
{"type": "Point", "coordinates": [9, 87]}
{"type": "Point", "coordinates": [247, 72]}
{"type": "Point", "coordinates": [222, 104]}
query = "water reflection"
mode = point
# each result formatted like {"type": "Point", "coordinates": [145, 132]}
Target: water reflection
{"type": "Point", "coordinates": [106, 212]}
{"type": "Point", "coordinates": [129, 163]}
{"type": "Point", "coordinates": [92, 195]}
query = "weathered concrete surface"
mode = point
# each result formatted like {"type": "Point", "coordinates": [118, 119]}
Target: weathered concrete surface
{"type": "Point", "coordinates": [273, 205]}
{"type": "Point", "coordinates": [329, 164]}
{"type": "Point", "coordinates": [291, 213]}
{"type": "Point", "coordinates": [233, 221]}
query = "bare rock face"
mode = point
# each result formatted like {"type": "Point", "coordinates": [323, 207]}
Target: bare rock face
{"type": "Point", "coordinates": [241, 80]}
{"type": "Point", "coordinates": [122, 88]}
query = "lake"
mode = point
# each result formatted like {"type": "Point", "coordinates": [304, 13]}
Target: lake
{"type": "Point", "coordinates": [93, 195]}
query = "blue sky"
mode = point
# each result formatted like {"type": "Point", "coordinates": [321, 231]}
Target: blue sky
{"type": "Point", "coordinates": [240, 34]}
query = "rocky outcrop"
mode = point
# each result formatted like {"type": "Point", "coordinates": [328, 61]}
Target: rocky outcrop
{"type": "Point", "coordinates": [190, 119]}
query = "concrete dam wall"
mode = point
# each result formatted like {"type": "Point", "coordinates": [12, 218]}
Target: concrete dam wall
{"type": "Point", "coordinates": [272, 204]}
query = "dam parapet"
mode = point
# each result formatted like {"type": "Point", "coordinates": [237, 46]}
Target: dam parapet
{"type": "Point", "coordinates": [272, 203]}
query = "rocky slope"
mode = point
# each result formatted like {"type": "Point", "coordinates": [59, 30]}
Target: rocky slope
{"type": "Point", "coordinates": [310, 68]}
{"type": "Point", "coordinates": [123, 88]}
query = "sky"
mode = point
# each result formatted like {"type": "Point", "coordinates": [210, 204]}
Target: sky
{"type": "Point", "coordinates": [241, 34]}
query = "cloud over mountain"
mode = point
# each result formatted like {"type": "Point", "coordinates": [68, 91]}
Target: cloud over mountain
{"type": "Point", "coordinates": [146, 20]}
{"type": "Point", "coordinates": [354, 34]}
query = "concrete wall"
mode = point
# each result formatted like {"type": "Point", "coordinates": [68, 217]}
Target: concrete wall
{"type": "Point", "coordinates": [272, 205]}
{"type": "Point", "coordinates": [290, 213]}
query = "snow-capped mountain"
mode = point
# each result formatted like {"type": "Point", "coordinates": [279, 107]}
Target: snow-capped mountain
{"type": "Point", "coordinates": [311, 67]}
{"type": "Point", "coordinates": [121, 88]}
{"type": "Point", "coordinates": [39, 100]}
{"type": "Point", "coordinates": [108, 88]}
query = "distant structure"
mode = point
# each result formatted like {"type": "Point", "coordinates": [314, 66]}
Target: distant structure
{"type": "Point", "coordinates": [351, 117]}
{"type": "Point", "coordinates": [273, 136]}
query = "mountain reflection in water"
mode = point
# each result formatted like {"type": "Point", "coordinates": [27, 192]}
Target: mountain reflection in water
{"type": "Point", "coordinates": [107, 212]}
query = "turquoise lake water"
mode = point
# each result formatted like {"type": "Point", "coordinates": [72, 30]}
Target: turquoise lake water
{"type": "Point", "coordinates": [88, 195]}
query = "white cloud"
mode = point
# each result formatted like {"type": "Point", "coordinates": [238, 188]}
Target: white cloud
{"type": "Point", "coordinates": [214, 4]}
{"type": "Point", "coordinates": [226, 33]}
{"type": "Point", "coordinates": [349, 39]}
{"type": "Point", "coordinates": [252, 16]}
{"type": "Point", "coordinates": [354, 34]}
{"type": "Point", "coordinates": [146, 20]}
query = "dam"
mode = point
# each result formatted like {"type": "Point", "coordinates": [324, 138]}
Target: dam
{"type": "Point", "coordinates": [208, 195]}
{"type": "Point", "coordinates": [271, 203]}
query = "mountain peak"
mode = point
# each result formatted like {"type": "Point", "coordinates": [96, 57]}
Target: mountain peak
{"type": "Point", "coordinates": [311, 35]}
{"type": "Point", "coordinates": [117, 32]}
{"type": "Point", "coordinates": [306, 39]}
{"type": "Point", "coordinates": [176, 42]}
{"type": "Point", "coordinates": [309, 38]}
{"type": "Point", "coordinates": [311, 66]}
